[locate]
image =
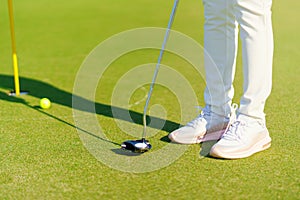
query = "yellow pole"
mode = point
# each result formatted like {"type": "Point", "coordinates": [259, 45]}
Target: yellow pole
{"type": "Point", "coordinates": [14, 51]}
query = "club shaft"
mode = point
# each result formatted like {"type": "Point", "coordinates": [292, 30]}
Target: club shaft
{"type": "Point", "coordinates": [158, 66]}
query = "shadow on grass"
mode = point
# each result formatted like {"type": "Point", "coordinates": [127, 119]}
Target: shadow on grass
{"type": "Point", "coordinates": [41, 89]}
{"type": "Point", "coordinates": [125, 152]}
{"type": "Point", "coordinates": [4, 96]}
{"type": "Point", "coordinates": [206, 147]}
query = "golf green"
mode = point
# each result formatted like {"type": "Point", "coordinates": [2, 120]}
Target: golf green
{"type": "Point", "coordinates": [59, 153]}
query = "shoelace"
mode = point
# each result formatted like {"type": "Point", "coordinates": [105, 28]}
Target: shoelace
{"type": "Point", "coordinates": [234, 107]}
{"type": "Point", "coordinates": [204, 113]}
{"type": "Point", "coordinates": [234, 132]}
{"type": "Point", "coordinates": [232, 118]}
{"type": "Point", "coordinates": [236, 128]}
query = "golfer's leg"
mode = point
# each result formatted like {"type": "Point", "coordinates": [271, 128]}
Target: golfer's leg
{"type": "Point", "coordinates": [257, 40]}
{"type": "Point", "coordinates": [220, 43]}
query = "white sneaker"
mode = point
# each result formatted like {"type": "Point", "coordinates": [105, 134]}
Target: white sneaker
{"type": "Point", "coordinates": [207, 126]}
{"type": "Point", "coordinates": [244, 137]}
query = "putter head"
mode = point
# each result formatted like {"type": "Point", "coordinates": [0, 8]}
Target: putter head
{"type": "Point", "coordinates": [136, 146]}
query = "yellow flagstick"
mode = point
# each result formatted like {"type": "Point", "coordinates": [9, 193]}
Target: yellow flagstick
{"type": "Point", "coordinates": [14, 51]}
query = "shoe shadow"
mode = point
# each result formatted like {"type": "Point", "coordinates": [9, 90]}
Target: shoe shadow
{"type": "Point", "coordinates": [166, 138]}
{"type": "Point", "coordinates": [206, 147]}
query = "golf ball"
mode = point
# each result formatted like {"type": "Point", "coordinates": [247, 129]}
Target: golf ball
{"type": "Point", "coordinates": [45, 103]}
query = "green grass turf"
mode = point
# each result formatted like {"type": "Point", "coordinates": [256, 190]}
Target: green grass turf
{"type": "Point", "coordinates": [41, 154]}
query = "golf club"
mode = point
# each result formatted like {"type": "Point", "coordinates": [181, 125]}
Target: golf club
{"type": "Point", "coordinates": [143, 145]}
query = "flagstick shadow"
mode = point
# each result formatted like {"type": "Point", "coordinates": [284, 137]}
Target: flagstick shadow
{"type": "Point", "coordinates": [41, 89]}
{"type": "Point", "coordinates": [38, 109]}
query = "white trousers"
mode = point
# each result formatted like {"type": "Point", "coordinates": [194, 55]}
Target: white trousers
{"type": "Point", "coordinates": [225, 20]}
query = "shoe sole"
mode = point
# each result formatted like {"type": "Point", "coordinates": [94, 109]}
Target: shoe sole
{"type": "Point", "coordinates": [196, 140]}
{"type": "Point", "coordinates": [259, 146]}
